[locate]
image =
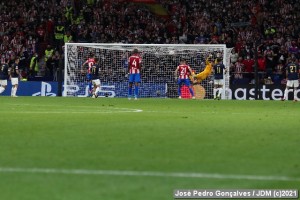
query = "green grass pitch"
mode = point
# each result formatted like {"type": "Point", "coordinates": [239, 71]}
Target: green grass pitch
{"type": "Point", "coordinates": [116, 149]}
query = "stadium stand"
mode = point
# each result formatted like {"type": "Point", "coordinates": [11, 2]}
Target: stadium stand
{"type": "Point", "coordinates": [27, 28]}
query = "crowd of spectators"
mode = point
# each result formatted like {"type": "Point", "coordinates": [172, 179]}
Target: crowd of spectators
{"type": "Point", "coordinates": [27, 27]}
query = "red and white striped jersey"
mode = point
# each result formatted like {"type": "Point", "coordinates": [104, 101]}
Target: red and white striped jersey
{"type": "Point", "coordinates": [90, 62]}
{"type": "Point", "coordinates": [184, 71]}
{"type": "Point", "coordinates": [134, 63]}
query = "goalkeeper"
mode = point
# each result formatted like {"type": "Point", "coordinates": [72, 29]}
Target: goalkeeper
{"type": "Point", "coordinates": [197, 78]}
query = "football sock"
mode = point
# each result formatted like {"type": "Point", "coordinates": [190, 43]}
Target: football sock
{"type": "Point", "coordinates": [220, 92]}
{"type": "Point", "coordinates": [191, 91]}
{"type": "Point", "coordinates": [136, 91]}
{"type": "Point", "coordinates": [13, 91]}
{"type": "Point", "coordinates": [97, 90]}
{"type": "Point", "coordinates": [215, 92]}
{"type": "Point", "coordinates": [2, 89]}
{"type": "Point", "coordinates": [179, 91]}
{"type": "Point", "coordinates": [295, 94]}
{"type": "Point", "coordinates": [90, 86]}
{"type": "Point", "coordinates": [129, 91]}
{"type": "Point", "coordinates": [285, 97]}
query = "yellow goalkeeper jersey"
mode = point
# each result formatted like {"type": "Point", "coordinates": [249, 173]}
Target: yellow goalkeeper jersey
{"type": "Point", "coordinates": [205, 73]}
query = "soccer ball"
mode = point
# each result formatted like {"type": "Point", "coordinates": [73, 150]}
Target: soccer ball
{"type": "Point", "coordinates": [171, 52]}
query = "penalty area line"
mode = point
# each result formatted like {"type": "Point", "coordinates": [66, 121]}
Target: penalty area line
{"type": "Point", "coordinates": [146, 174]}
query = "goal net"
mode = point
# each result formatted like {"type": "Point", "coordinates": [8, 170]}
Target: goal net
{"type": "Point", "coordinates": [157, 74]}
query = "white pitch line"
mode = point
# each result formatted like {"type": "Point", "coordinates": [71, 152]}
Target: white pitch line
{"type": "Point", "coordinates": [74, 112]}
{"type": "Point", "coordinates": [104, 111]}
{"type": "Point", "coordinates": [146, 174]}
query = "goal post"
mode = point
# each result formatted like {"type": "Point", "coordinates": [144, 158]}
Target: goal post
{"type": "Point", "coordinates": [157, 74]}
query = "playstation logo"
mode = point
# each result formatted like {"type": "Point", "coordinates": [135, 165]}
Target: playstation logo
{"type": "Point", "coordinates": [46, 89]}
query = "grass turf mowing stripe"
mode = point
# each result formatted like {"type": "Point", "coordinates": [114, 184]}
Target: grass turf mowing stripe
{"type": "Point", "coordinates": [145, 173]}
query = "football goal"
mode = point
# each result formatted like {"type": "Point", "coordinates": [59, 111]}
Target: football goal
{"type": "Point", "coordinates": [157, 73]}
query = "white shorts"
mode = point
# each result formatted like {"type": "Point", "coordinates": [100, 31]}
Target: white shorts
{"type": "Point", "coordinates": [218, 81]}
{"type": "Point", "coordinates": [96, 82]}
{"type": "Point", "coordinates": [292, 83]}
{"type": "Point", "coordinates": [14, 81]}
{"type": "Point", "coordinates": [3, 82]}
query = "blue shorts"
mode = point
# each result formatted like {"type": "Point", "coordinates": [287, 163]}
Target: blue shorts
{"type": "Point", "coordinates": [184, 81]}
{"type": "Point", "coordinates": [89, 77]}
{"type": "Point", "coordinates": [134, 78]}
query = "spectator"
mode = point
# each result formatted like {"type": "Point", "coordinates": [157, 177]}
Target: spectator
{"type": "Point", "coordinates": [24, 63]}
{"type": "Point", "coordinates": [67, 37]}
{"type": "Point", "coordinates": [34, 66]}
{"type": "Point", "coordinates": [49, 52]}
{"type": "Point", "coordinates": [249, 66]}
{"type": "Point", "coordinates": [293, 49]}
{"type": "Point", "coordinates": [261, 63]}
{"type": "Point", "coordinates": [279, 72]}
{"type": "Point", "coordinates": [236, 23]}
{"type": "Point", "coordinates": [41, 33]}
{"type": "Point", "coordinates": [270, 62]}
{"type": "Point", "coordinates": [59, 34]}
{"type": "Point", "coordinates": [55, 65]}
{"type": "Point", "coordinates": [234, 56]}
{"type": "Point", "coordinates": [239, 68]}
